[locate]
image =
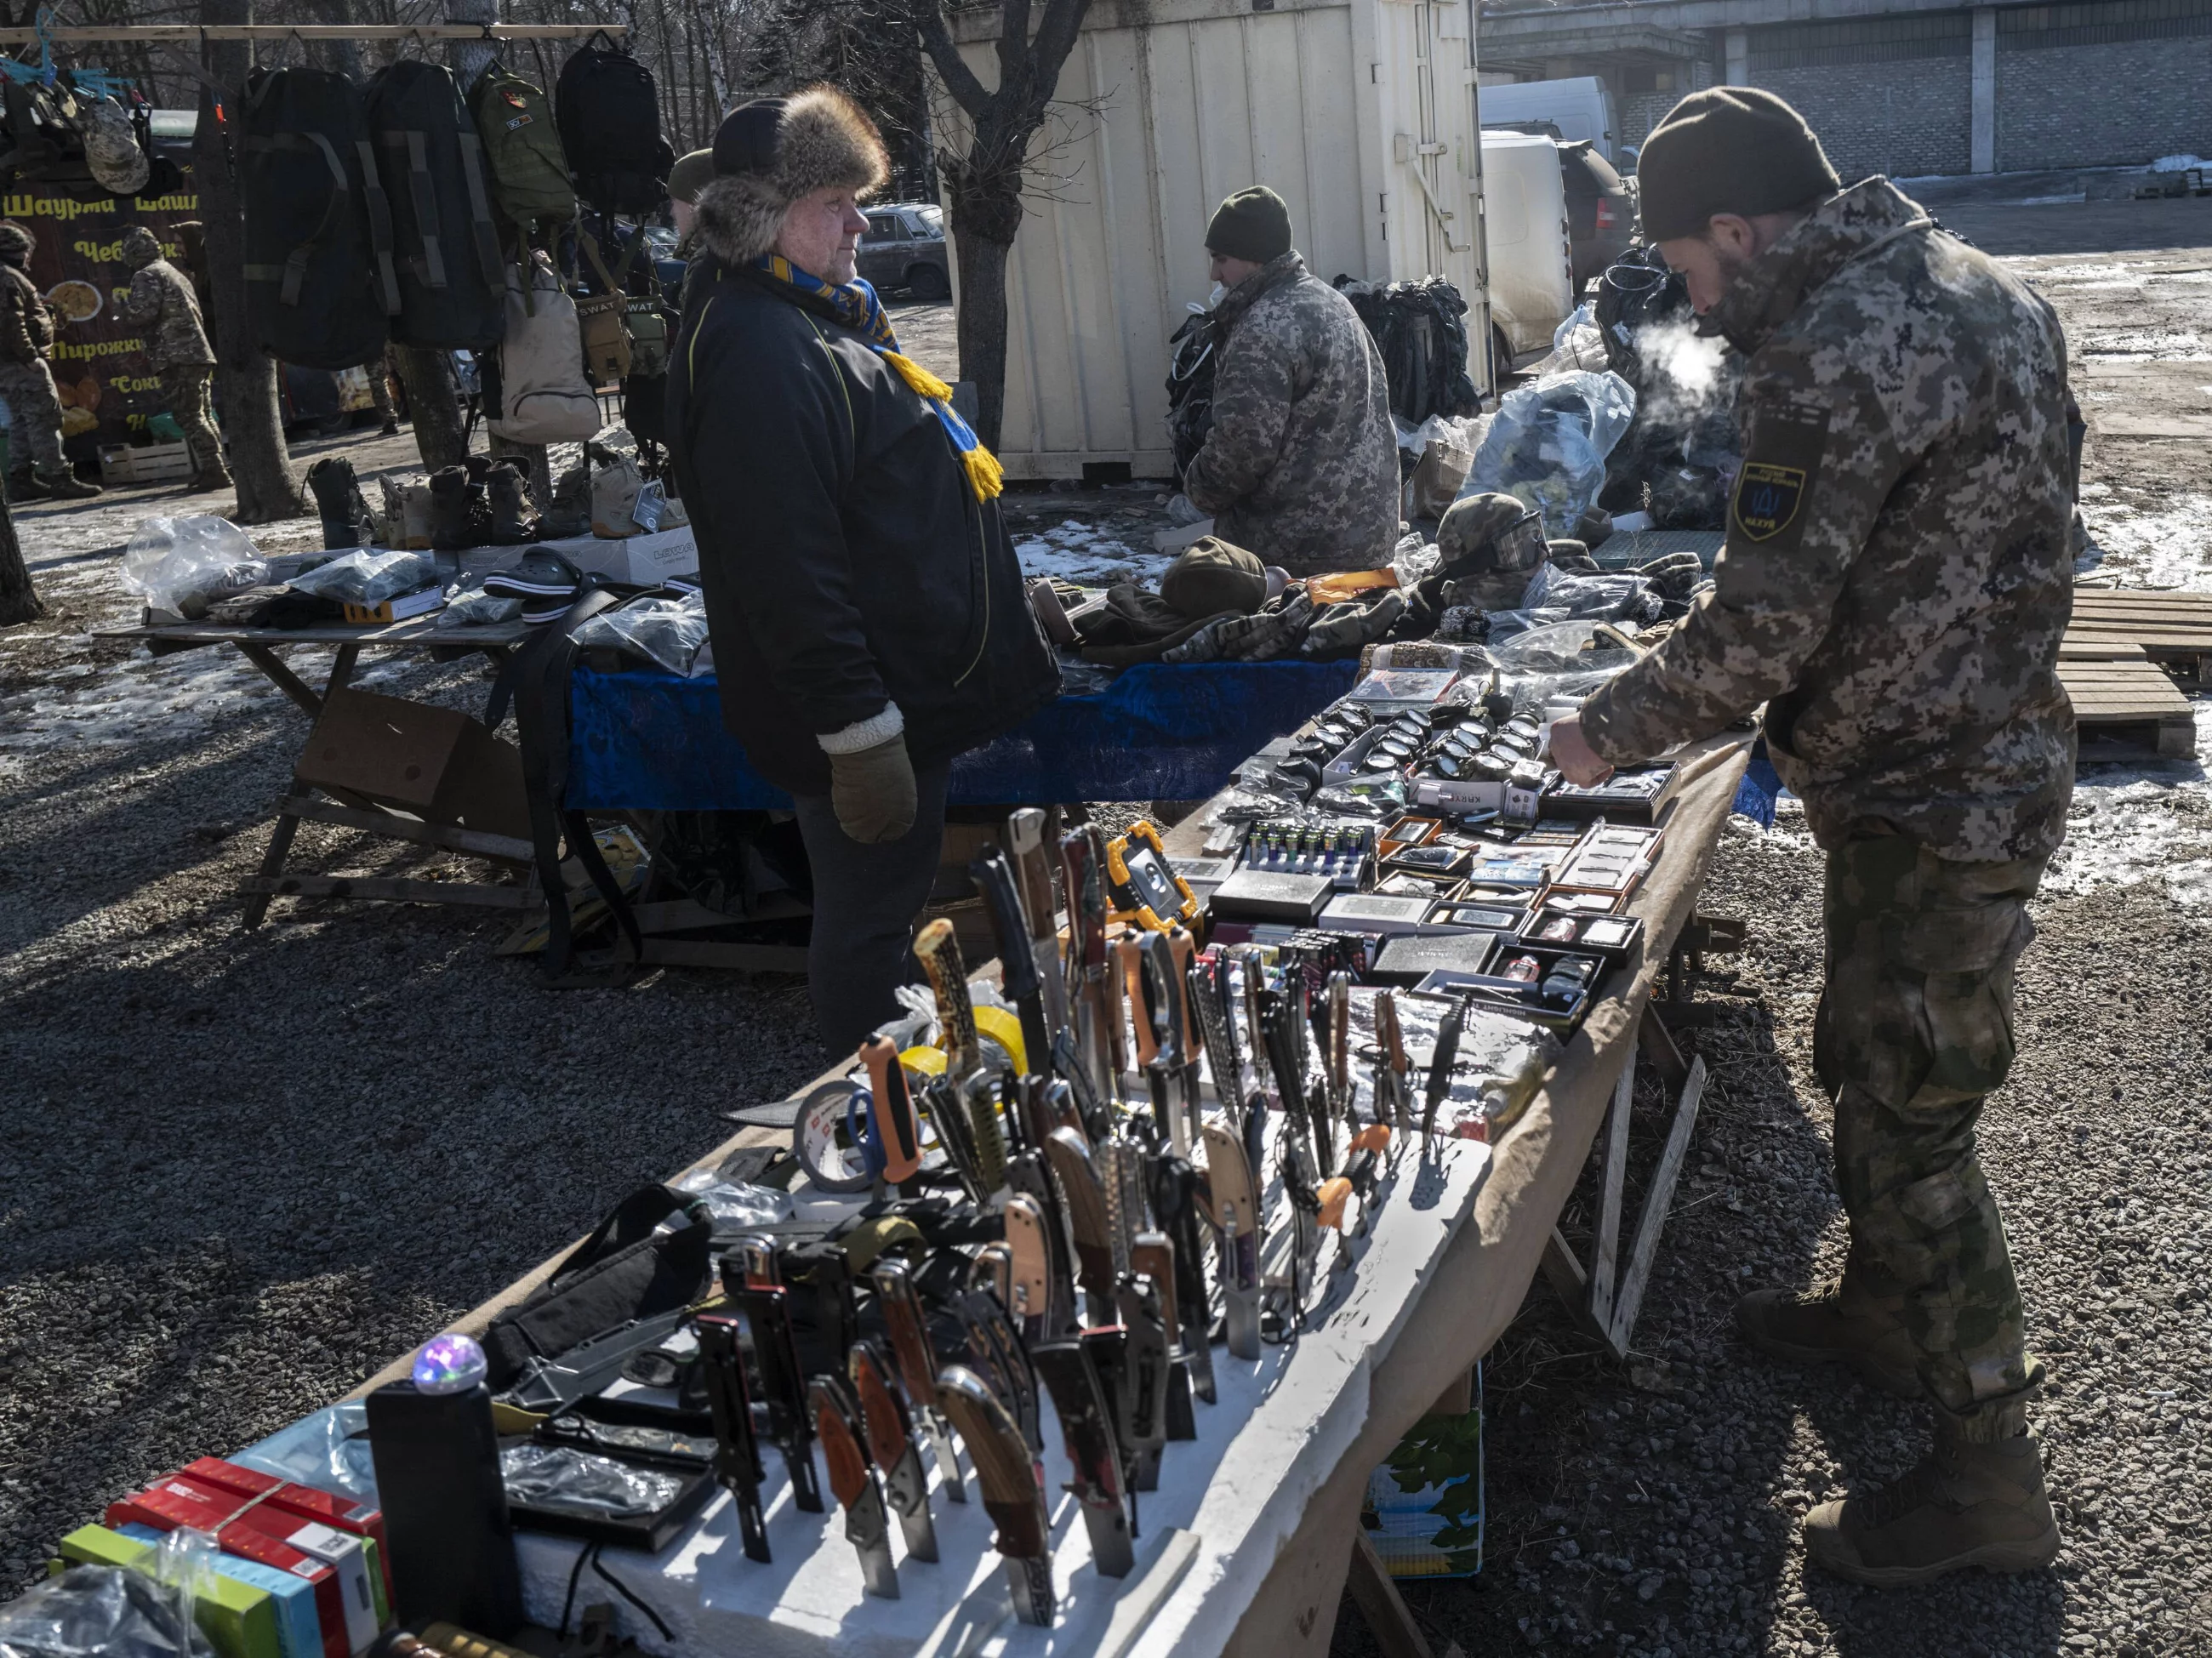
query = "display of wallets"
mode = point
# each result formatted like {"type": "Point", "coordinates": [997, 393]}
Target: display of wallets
{"type": "Point", "coordinates": [1558, 927]}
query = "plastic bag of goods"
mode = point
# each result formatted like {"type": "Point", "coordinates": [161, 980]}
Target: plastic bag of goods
{"type": "Point", "coordinates": [368, 577]}
{"type": "Point", "coordinates": [180, 564]}
{"type": "Point", "coordinates": [666, 632]}
{"type": "Point", "coordinates": [1547, 444]}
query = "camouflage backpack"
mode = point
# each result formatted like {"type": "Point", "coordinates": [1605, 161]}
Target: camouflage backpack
{"type": "Point", "coordinates": [522, 150]}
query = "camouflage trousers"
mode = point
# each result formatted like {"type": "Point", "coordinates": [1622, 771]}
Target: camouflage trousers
{"type": "Point", "coordinates": [185, 390]}
{"type": "Point", "coordinates": [1914, 1030]}
{"type": "Point", "coordinates": [34, 416]}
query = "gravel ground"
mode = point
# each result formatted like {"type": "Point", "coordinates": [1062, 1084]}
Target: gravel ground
{"type": "Point", "coordinates": [246, 1170]}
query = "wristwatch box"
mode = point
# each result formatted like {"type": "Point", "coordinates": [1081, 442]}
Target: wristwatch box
{"type": "Point", "coordinates": [1381, 912]}
{"type": "Point", "coordinates": [1411, 958]}
{"type": "Point", "coordinates": [1252, 895]}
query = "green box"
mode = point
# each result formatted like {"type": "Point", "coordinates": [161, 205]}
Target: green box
{"type": "Point", "coordinates": [238, 1620]}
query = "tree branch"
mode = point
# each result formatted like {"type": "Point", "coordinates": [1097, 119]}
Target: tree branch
{"type": "Point", "coordinates": [1055, 37]}
{"type": "Point", "coordinates": [959, 80]}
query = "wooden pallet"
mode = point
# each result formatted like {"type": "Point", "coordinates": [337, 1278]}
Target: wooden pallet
{"type": "Point", "coordinates": [2128, 701]}
{"type": "Point", "coordinates": [2172, 629]}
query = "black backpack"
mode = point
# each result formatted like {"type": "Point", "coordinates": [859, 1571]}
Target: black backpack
{"type": "Point", "coordinates": [609, 113]}
{"type": "Point", "coordinates": [320, 283]}
{"type": "Point", "coordinates": [1190, 388]}
{"type": "Point", "coordinates": [44, 144]}
{"type": "Point", "coordinates": [451, 285]}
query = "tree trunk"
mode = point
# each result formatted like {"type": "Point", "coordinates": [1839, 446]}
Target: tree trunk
{"type": "Point", "coordinates": [432, 405]}
{"type": "Point", "coordinates": [982, 323]}
{"type": "Point", "coordinates": [244, 377]}
{"type": "Point", "coordinates": [19, 599]}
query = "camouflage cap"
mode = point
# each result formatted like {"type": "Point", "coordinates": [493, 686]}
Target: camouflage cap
{"type": "Point", "coordinates": [1212, 576]}
{"type": "Point", "coordinates": [15, 242]}
{"type": "Point", "coordinates": [112, 153]}
{"type": "Point", "coordinates": [1490, 531]}
{"type": "Point", "coordinates": [1728, 149]}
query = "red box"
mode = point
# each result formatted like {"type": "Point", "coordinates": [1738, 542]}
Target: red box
{"type": "Point", "coordinates": [308, 1501]}
{"type": "Point", "coordinates": [174, 1503]}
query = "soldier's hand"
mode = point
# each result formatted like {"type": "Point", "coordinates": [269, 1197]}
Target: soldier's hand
{"type": "Point", "coordinates": [1572, 753]}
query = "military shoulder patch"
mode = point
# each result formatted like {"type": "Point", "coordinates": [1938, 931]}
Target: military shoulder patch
{"type": "Point", "coordinates": [1779, 473]}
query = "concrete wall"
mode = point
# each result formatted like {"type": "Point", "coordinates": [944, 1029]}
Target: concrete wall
{"type": "Point", "coordinates": [2106, 103]}
{"type": "Point", "coordinates": [1903, 119]}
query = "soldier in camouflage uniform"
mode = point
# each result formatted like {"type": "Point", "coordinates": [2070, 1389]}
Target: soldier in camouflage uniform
{"type": "Point", "coordinates": [161, 301]}
{"type": "Point", "coordinates": [1893, 587]}
{"type": "Point", "coordinates": [36, 469]}
{"type": "Point", "coordinates": [1301, 466]}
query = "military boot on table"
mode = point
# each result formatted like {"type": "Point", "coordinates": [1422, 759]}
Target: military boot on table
{"type": "Point", "coordinates": [1977, 1500]}
{"type": "Point", "coordinates": [1835, 1322]}
{"type": "Point", "coordinates": [513, 523]}
{"type": "Point", "coordinates": [450, 527]}
{"type": "Point", "coordinates": [347, 521]}
{"type": "Point", "coordinates": [60, 483]}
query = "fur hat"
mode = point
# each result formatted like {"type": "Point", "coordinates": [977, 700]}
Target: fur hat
{"type": "Point", "coordinates": [141, 247]}
{"type": "Point", "coordinates": [15, 242]}
{"type": "Point", "coordinates": [771, 152]}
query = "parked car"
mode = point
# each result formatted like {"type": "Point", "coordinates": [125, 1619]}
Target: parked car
{"type": "Point", "coordinates": [904, 248]}
{"type": "Point", "coordinates": [1580, 106]}
{"type": "Point", "coordinates": [1532, 287]}
{"type": "Point", "coordinates": [1601, 210]}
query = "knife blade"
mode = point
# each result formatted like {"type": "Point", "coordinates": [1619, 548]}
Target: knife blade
{"type": "Point", "coordinates": [1441, 1061]}
{"type": "Point", "coordinates": [1088, 1226]}
{"type": "Point", "coordinates": [1152, 1256]}
{"type": "Point", "coordinates": [938, 951]}
{"type": "Point", "coordinates": [1144, 1027]}
{"type": "Point", "coordinates": [997, 1353]}
{"type": "Point", "coordinates": [1081, 864]}
{"type": "Point", "coordinates": [1183, 949]}
{"type": "Point", "coordinates": [1011, 1493]}
{"type": "Point", "coordinates": [763, 1317]}
{"type": "Point", "coordinates": [1018, 977]}
{"type": "Point", "coordinates": [1216, 1034]}
{"type": "Point", "coordinates": [891, 1111]}
{"type": "Point", "coordinates": [1340, 1049]}
{"type": "Point", "coordinates": [1086, 1424]}
{"type": "Point", "coordinates": [853, 1482]}
{"type": "Point", "coordinates": [1286, 1025]}
{"type": "Point", "coordinates": [1394, 1098]}
{"type": "Point", "coordinates": [891, 1447]}
{"type": "Point", "coordinates": [1233, 1206]}
{"type": "Point", "coordinates": [1025, 841]}
{"type": "Point", "coordinates": [909, 1328]}
{"type": "Point", "coordinates": [737, 1454]}
{"type": "Point", "coordinates": [1159, 1004]}
{"type": "Point", "coordinates": [1143, 1429]}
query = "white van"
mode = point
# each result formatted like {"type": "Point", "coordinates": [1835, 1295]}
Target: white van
{"type": "Point", "coordinates": [1579, 108]}
{"type": "Point", "coordinates": [1528, 254]}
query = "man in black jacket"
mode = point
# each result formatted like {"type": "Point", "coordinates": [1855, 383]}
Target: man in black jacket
{"type": "Point", "coordinates": [865, 603]}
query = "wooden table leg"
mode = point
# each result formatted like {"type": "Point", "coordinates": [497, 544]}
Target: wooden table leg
{"type": "Point", "coordinates": [1388, 1618]}
{"type": "Point", "coordinates": [272, 865]}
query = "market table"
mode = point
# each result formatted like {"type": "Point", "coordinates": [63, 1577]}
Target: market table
{"type": "Point", "coordinates": [1277, 1597]}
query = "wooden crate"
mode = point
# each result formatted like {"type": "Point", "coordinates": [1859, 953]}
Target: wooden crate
{"type": "Point", "coordinates": [2130, 702]}
{"type": "Point", "coordinates": [150, 463]}
{"type": "Point", "coordinates": [2172, 629]}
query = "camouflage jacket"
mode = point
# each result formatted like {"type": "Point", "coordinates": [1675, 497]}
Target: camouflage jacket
{"type": "Point", "coordinates": [161, 301]}
{"type": "Point", "coordinates": [1896, 575]}
{"type": "Point", "coordinates": [1301, 466]}
{"type": "Point", "coordinates": [27, 327]}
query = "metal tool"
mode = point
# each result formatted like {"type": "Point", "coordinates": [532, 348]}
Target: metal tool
{"type": "Point", "coordinates": [1394, 1093]}
{"type": "Point", "coordinates": [996, 883]}
{"type": "Point", "coordinates": [764, 1316]}
{"type": "Point", "coordinates": [1028, 1297]}
{"type": "Point", "coordinates": [853, 1482]}
{"type": "Point", "coordinates": [737, 1454]}
{"type": "Point", "coordinates": [1340, 1049]}
{"type": "Point", "coordinates": [987, 1140]}
{"type": "Point", "coordinates": [1231, 1198]}
{"type": "Point", "coordinates": [1175, 1206]}
{"type": "Point", "coordinates": [1033, 869]}
{"type": "Point", "coordinates": [909, 1328]}
{"type": "Point", "coordinates": [1441, 1061]}
{"type": "Point", "coordinates": [1010, 1494]}
{"type": "Point", "coordinates": [1030, 1176]}
{"type": "Point", "coordinates": [997, 1351]}
{"type": "Point", "coordinates": [891, 1447]}
{"type": "Point", "coordinates": [1152, 1256]}
{"type": "Point", "coordinates": [1142, 1397]}
{"type": "Point", "coordinates": [1205, 983]}
{"type": "Point", "coordinates": [938, 951]}
{"type": "Point", "coordinates": [891, 1111]}
{"type": "Point", "coordinates": [1086, 960]}
{"type": "Point", "coordinates": [1070, 1375]}
{"type": "Point", "coordinates": [1182, 951]}
{"type": "Point", "coordinates": [1307, 1119]}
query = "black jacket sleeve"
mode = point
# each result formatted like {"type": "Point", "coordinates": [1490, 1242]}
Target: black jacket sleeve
{"type": "Point", "coordinates": [773, 428]}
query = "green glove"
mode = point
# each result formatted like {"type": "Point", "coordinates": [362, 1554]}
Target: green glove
{"type": "Point", "coordinates": [872, 791]}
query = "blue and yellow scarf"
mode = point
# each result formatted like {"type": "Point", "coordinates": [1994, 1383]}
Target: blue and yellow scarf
{"type": "Point", "coordinates": [860, 310]}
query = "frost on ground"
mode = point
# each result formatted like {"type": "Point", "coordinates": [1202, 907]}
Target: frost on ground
{"type": "Point", "coordinates": [2163, 542]}
{"type": "Point", "coordinates": [1088, 555]}
{"type": "Point", "coordinates": [2134, 824]}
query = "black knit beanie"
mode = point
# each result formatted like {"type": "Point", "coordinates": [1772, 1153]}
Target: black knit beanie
{"type": "Point", "coordinates": [1253, 224]}
{"type": "Point", "coordinates": [1728, 149]}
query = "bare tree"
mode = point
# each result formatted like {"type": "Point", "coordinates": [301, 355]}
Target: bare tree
{"type": "Point", "coordinates": [19, 599]}
{"type": "Point", "coordinates": [984, 183]}
{"type": "Point", "coordinates": [244, 377]}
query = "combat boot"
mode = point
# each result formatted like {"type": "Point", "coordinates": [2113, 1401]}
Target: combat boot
{"type": "Point", "coordinates": [338, 500]}
{"type": "Point", "coordinates": [1834, 1323]}
{"type": "Point", "coordinates": [1971, 1503]}
{"type": "Point", "coordinates": [449, 510]}
{"type": "Point", "coordinates": [216, 477]}
{"type": "Point", "coordinates": [513, 524]}
{"type": "Point", "coordinates": [62, 484]}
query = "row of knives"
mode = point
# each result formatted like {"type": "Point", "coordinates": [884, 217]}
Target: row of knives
{"type": "Point", "coordinates": [1121, 1219]}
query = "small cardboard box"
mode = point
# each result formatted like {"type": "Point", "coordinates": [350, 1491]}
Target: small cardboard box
{"type": "Point", "coordinates": [240, 1621]}
{"type": "Point", "coordinates": [1437, 474]}
{"type": "Point", "coordinates": [341, 1514]}
{"type": "Point", "coordinates": [173, 1503]}
{"type": "Point", "coordinates": [437, 762]}
{"type": "Point", "coordinates": [346, 1556]}
{"type": "Point", "coordinates": [645, 561]}
{"type": "Point", "coordinates": [299, 1630]}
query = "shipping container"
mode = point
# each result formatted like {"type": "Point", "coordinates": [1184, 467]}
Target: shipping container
{"type": "Point", "coordinates": [1360, 114]}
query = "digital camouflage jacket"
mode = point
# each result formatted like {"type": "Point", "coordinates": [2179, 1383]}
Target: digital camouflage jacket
{"type": "Point", "coordinates": [27, 327]}
{"type": "Point", "coordinates": [161, 301]}
{"type": "Point", "coordinates": [1896, 575]}
{"type": "Point", "coordinates": [1301, 466]}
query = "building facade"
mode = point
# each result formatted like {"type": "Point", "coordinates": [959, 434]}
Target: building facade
{"type": "Point", "coordinates": [1898, 88]}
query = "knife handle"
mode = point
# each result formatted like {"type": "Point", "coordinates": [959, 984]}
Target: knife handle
{"type": "Point", "coordinates": [1027, 1286]}
{"type": "Point", "coordinates": [1163, 999]}
{"type": "Point", "coordinates": [909, 1334]}
{"type": "Point", "coordinates": [882, 1420]}
{"type": "Point", "coordinates": [841, 1445]}
{"type": "Point", "coordinates": [1334, 1195]}
{"type": "Point", "coordinates": [1130, 952]}
{"type": "Point", "coordinates": [891, 1110]}
{"type": "Point", "coordinates": [938, 951]}
{"type": "Point", "coordinates": [1018, 970]}
{"type": "Point", "coordinates": [1152, 1255]}
{"type": "Point", "coordinates": [1025, 841]}
{"type": "Point", "coordinates": [1184, 948]}
{"type": "Point", "coordinates": [1086, 900]}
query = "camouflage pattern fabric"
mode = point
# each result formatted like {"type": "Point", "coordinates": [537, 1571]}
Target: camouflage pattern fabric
{"type": "Point", "coordinates": [34, 415]}
{"type": "Point", "coordinates": [1914, 1028]}
{"type": "Point", "coordinates": [1302, 463]}
{"type": "Point", "coordinates": [185, 390]}
{"type": "Point", "coordinates": [1896, 574]}
{"type": "Point", "coordinates": [161, 301]}
{"type": "Point", "coordinates": [27, 327]}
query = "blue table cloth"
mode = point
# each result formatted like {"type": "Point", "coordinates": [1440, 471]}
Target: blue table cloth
{"type": "Point", "coordinates": [650, 742]}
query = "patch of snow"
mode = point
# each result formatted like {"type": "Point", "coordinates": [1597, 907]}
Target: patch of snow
{"type": "Point", "coordinates": [2169, 547]}
{"type": "Point", "coordinates": [2177, 163]}
{"type": "Point", "coordinates": [2134, 824]}
{"type": "Point", "coordinates": [2185, 345]}
{"type": "Point", "coordinates": [1088, 555]}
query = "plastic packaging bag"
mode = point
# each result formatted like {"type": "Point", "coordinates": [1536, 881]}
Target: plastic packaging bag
{"type": "Point", "coordinates": [328, 1449]}
{"type": "Point", "coordinates": [478, 608]}
{"type": "Point", "coordinates": [1609, 597]}
{"type": "Point", "coordinates": [562, 1477]}
{"type": "Point", "coordinates": [368, 577]}
{"type": "Point", "coordinates": [1547, 444]}
{"type": "Point", "coordinates": [181, 564]}
{"type": "Point", "coordinates": [101, 1611]}
{"type": "Point", "coordinates": [1576, 343]}
{"type": "Point", "coordinates": [732, 1204]}
{"type": "Point", "coordinates": [1560, 647]}
{"type": "Point", "coordinates": [667, 632]}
